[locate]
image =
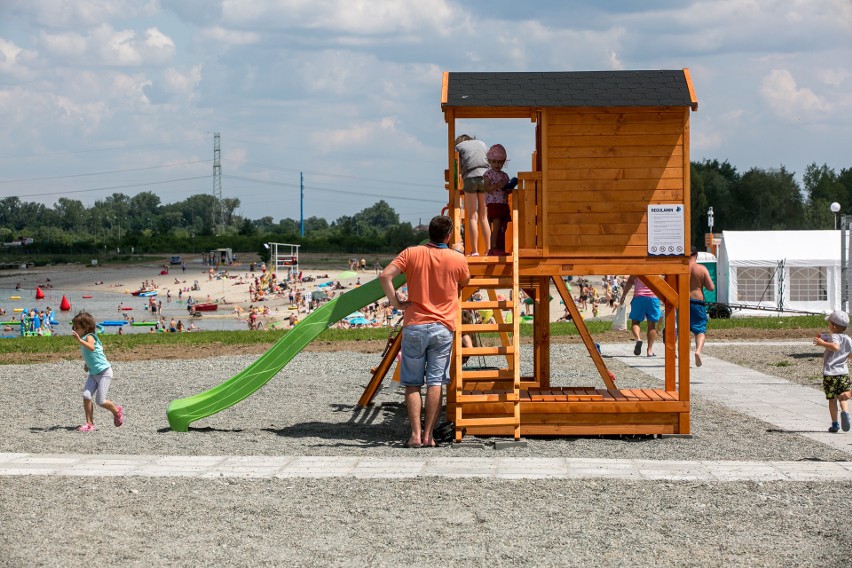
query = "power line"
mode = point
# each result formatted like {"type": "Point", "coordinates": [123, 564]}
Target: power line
{"type": "Point", "coordinates": [64, 192]}
{"type": "Point", "coordinates": [66, 152]}
{"type": "Point", "coordinates": [104, 172]}
{"type": "Point", "coordinates": [324, 174]}
{"type": "Point", "coordinates": [332, 190]}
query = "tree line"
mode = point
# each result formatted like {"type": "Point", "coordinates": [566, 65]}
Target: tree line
{"type": "Point", "coordinates": [119, 225]}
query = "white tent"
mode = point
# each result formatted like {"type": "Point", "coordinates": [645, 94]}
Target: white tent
{"type": "Point", "coordinates": [795, 270]}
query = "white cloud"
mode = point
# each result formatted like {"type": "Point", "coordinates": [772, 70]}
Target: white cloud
{"type": "Point", "coordinates": [15, 61]}
{"type": "Point", "coordinates": [357, 17]}
{"type": "Point", "coordinates": [182, 84]}
{"type": "Point", "coordinates": [833, 77]}
{"type": "Point", "coordinates": [230, 37]}
{"type": "Point", "coordinates": [68, 13]}
{"type": "Point", "coordinates": [788, 100]}
{"type": "Point", "coordinates": [105, 45]}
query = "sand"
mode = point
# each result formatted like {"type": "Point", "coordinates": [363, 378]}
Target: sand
{"type": "Point", "coordinates": [231, 293]}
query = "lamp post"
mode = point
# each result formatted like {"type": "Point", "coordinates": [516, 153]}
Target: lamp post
{"type": "Point", "coordinates": [835, 208]}
{"type": "Point", "coordinates": [710, 227]}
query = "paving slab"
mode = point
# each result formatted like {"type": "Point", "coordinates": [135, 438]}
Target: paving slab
{"type": "Point", "coordinates": [280, 467]}
{"type": "Point", "coordinates": [785, 406]}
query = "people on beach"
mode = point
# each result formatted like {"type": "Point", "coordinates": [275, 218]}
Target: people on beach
{"type": "Point", "coordinates": [699, 279]}
{"type": "Point", "coordinates": [644, 306]}
{"type": "Point", "coordinates": [835, 370]}
{"type": "Point", "coordinates": [98, 369]}
{"type": "Point", "coordinates": [435, 276]}
{"type": "Point", "coordinates": [473, 164]}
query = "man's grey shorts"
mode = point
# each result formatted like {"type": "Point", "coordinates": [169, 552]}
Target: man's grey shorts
{"type": "Point", "coordinates": [426, 350]}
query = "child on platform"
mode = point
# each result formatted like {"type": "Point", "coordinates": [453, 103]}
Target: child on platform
{"type": "Point", "coordinates": [473, 164]}
{"type": "Point", "coordinates": [835, 371]}
{"type": "Point", "coordinates": [99, 372]}
{"type": "Point", "coordinates": [497, 185]}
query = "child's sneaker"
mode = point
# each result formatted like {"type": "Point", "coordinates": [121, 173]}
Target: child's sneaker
{"type": "Point", "coordinates": [844, 421]}
{"type": "Point", "coordinates": [835, 427]}
{"type": "Point", "coordinates": [118, 419]}
{"type": "Point", "coordinates": [87, 427]}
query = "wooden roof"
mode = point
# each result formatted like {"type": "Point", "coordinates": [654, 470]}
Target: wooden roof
{"type": "Point", "coordinates": [532, 90]}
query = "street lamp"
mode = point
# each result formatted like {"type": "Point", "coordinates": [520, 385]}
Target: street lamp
{"type": "Point", "coordinates": [835, 208]}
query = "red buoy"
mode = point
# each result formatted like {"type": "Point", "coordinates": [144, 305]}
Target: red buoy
{"type": "Point", "coordinates": [39, 294]}
{"type": "Point", "coordinates": [64, 305]}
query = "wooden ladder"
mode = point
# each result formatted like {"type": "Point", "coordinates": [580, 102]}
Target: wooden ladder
{"type": "Point", "coordinates": [490, 274]}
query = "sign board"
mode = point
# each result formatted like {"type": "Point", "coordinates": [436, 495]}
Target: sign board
{"type": "Point", "coordinates": [665, 230]}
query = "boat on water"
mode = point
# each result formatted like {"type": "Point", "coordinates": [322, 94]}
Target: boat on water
{"type": "Point", "coordinates": [211, 307]}
{"type": "Point", "coordinates": [144, 293]}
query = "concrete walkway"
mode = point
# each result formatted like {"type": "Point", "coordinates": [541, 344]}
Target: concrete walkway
{"type": "Point", "coordinates": [278, 467]}
{"type": "Point", "coordinates": [784, 405]}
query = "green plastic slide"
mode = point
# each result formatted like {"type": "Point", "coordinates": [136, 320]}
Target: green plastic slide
{"type": "Point", "coordinates": [181, 412]}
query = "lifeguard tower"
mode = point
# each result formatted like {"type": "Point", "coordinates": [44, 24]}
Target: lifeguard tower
{"type": "Point", "coordinates": [283, 258]}
{"type": "Point", "coordinates": [607, 192]}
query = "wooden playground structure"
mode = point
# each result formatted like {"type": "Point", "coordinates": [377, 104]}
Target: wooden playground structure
{"type": "Point", "coordinates": [611, 152]}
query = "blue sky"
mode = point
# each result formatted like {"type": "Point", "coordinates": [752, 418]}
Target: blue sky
{"type": "Point", "coordinates": [105, 96]}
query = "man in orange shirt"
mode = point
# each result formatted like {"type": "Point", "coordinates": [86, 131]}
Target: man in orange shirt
{"type": "Point", "coordinates": [435, 275]}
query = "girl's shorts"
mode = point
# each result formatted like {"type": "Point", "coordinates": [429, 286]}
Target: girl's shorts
{"type": "Point", "coordinates": [498, 211]}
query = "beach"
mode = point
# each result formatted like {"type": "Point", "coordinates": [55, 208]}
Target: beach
{"type": "Point", "coordinates": [110, 287]}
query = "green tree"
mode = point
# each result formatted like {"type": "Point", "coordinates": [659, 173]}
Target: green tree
{"type": "Point", "coordinates": [773, 198]}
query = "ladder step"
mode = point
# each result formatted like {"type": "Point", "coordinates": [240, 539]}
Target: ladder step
{"type": "Point", "coordinates": [493, 421]}
{"type": "Point", "coordinates": [486, 327]}
{"type": "Point", "coordinates": [483, 396]}
{"type": "Point", "coordinates": [488, 304]}
{"type": "Point", "coordinates": [478, 260]}
{"type": "Point", "coordinates": [498, 350]}
{"type": "Point", "coordinates": [467, 375]}
{"type": "Point", "coordinates": [489, 282]}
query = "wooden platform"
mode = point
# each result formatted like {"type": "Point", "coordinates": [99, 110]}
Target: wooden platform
{"type": "Point", "coordinates": [584, 411]}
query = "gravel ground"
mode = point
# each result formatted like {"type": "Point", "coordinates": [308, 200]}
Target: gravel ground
{"type": "Point", "coordinates": [309, 410]}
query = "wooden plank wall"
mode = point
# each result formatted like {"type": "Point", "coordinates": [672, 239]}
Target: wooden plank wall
{"type": "Point", "coordinates": [602, 168]}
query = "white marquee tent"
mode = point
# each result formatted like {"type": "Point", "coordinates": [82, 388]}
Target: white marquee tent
{"type": "Point", "coordinates": [794, 270]}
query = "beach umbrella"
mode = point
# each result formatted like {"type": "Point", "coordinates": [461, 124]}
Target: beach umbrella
{"type": "Point", "coordinates": [360, 321]}
{"type": "Point", "coordinates": [355, 315]}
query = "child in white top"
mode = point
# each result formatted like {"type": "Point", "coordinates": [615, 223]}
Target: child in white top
{"type": "Point", "coordinates": [473, 164]}
{"type": "Point", "coordinates": [835, 371]}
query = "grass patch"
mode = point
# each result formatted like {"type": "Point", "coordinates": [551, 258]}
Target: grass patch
{"type": "Point", "coordinates": [67, 346]}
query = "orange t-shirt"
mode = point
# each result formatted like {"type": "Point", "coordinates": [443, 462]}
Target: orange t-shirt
{"type": "Point", "coordinates": [433, 275]}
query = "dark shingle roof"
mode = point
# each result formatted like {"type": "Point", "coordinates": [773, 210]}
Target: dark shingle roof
{"type": "Point", "coordinates": [569, 89]}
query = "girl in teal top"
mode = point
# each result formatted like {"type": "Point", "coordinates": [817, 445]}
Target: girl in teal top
{"type": "Point", "coordinates": [98, 369]}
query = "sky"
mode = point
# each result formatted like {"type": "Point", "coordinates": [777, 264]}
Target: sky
{"type": "Point", "coordinates": [123, 96]}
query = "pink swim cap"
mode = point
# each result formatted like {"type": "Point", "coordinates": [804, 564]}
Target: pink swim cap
{"type": "Point", "coordinates": [496, 152]}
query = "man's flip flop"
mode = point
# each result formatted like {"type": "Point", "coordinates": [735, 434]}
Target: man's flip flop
{"type": "Point", "coordinates": [637, 349]}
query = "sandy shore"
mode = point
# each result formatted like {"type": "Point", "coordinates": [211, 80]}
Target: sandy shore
{"type": "Point", "coordinates": [232, 292]}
